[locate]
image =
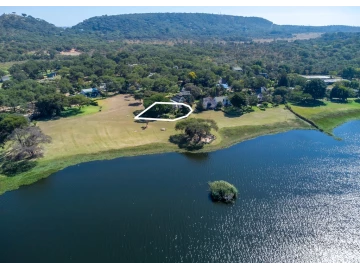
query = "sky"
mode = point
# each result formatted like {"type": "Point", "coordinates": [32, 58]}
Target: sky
{"type": "Point", "coordinates": [316, 16]}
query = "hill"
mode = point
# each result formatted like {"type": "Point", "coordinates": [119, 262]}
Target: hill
{"type": "Point", "coordinates": [196, 26]}
{"type": "Point", "coordinates": [12, 25]}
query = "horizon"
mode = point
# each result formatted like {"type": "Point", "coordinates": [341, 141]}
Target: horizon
{"type": "Point", "coordinates": [304, 16]}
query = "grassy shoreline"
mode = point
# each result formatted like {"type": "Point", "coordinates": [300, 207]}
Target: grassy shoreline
{"type": "Point", "coordinates": [226, 137]}
{"type": "Point", "coordinates": [231, 132]}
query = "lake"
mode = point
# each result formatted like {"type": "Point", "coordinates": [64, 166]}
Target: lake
{"type": "Point", "coordinates": [299, 201]}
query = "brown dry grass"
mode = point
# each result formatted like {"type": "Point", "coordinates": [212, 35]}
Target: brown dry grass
{"type": "Point", "coordinates": [114, 128]}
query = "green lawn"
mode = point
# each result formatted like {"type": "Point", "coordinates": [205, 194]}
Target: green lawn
{"type": "Point", "coordinates": [327, 115]}
{"type": "Point", "coordinates": [75, 112]}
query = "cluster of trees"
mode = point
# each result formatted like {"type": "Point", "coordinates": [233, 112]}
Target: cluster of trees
{"type": "Point", "coordinates": [20, 139]}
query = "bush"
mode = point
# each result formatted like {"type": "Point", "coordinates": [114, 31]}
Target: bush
{"type": "Point", "coordinates": [232, 111]}
{"type": "Point", "coordinates": [94, 103]}
{"type": "Point", "coordinates": [223, 191]}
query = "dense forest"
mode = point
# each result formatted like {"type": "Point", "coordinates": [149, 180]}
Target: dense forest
{"type": "Point", "coordinates": [24, 37]}
{"type": "Point", "coordinates": [146, 69]}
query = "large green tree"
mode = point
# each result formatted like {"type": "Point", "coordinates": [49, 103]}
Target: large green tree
{"type": "Point", "coordinates": [51, 105]}
{"type": "Point", "coordinates": [196, 129]}
{"type": "Point", "coordinates": [238, 100]}
{"type": "Point", "coordinates": [316, 88]}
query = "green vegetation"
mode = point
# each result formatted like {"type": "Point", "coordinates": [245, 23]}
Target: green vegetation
{"type": "Point", "coordinates": [222, 191]}
{"type": "Point", "coordinates": [328, 115]}
{"type": "Point", "coordinates": [45, 85]}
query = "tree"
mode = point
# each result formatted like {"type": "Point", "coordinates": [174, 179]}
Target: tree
{"type": "Point", "coordinates": [238, 100]}
{"type": "Point", "coordinates": [79, 100]}
{"type": "Point", "coordinates": [139, 96]}
{"type": "Point", "coordinates": [65, 85]}
{"type": "Point", "coordinates": [192, 75]}
{"type": "Point", "coordinates": [281, 91]}
{"type": "Point", "coordinates": [195, 91]}
{"type": "Point", "coordinates": [252, 100]}
{"type": "Point", "coordinates": [50, 105]}
{"type": "Point", "coordinates": [237, 86]}
{"type": "Point", "coordinates": [8, 123]}
{"type": "Point", "coordinates": [199, 106]}
{"type": "Point", "coordinates": [316, 88]}
{"type": "Point", "coordinates": [196, 129]}
{"type": "Point", "coordinates": [25, 143]}
{"type": "Point", "coordinates": [218, 106]}
{"type": "Point", "coordinates": [349, 73]}
{"type": "Point", "coordinates": [340, 91]}
{"type": "Point", "coordinates": [278, 99]}
{"type": "Point", "coordinates": [2, 73]}
{"type": "Point", "coordinates": [283, 80]}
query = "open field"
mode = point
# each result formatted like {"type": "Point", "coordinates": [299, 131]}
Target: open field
{"type": "Point", "coordinates": [114, 128]}
{"type": "Point", "coordinates": [301, 36]}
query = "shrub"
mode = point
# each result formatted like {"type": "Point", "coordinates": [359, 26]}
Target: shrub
{"type": "Point", "coordinates": [223, 191]}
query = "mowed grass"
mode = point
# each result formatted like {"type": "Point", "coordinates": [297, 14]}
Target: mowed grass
{"type": "Point", "coordinates": [330, 114]}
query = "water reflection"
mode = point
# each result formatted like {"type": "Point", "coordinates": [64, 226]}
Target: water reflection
{"type": "Point", "coordinates": [198, 157]}
{"type": "Point", "coordinates": [299, 201]}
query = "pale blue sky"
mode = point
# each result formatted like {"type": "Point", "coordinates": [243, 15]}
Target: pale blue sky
{"type": "Point", "coordinates": [69, 16]}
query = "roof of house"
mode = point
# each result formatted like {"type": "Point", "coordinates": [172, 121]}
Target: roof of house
{"type": "Point", "coordinates": [184, 93]}
{"type": "Point", "coordinates": [5, 78]}
{"type": "Point", "coordinates": [220, 99]}
{"type": "Point", "coordinates": [224, 85]}
{"type": "Point", "coordinates": [89, 90]}
{"type": "Point", "coordinates": [237, 68]}
{"type": "Point", "coordinates": [333, 80]}
{"type": "Point", "coordinates": [177, 98]}
{"type": "Point", "coordinates": [316, 76]}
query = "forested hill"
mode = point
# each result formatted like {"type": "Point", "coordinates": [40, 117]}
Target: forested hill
{"type": "Point", "coordinates": [193, 26]}
{"type": "Point", "coordinates": [13, 25]}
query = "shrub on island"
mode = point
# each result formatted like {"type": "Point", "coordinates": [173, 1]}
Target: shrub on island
{"type": "Point", "coordinates": [223, 191]}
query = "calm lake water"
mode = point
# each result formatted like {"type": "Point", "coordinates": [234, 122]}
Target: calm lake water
{"type": "Point", "coordinates": [299, 202]}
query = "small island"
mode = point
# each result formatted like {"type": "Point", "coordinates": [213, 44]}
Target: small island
{"type": "Point", "coordinates": [222, 191]}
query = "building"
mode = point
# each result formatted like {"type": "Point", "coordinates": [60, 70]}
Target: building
{"type": "Point", "coordinates": [51, 75]}
{"type": "Point", "coordinates": [90, 92]}
{"type": "Point", "coordinates": [310, 77]}
{"type": "Point", "coordinates": [210, 103]}
{"type": "Point", "coordinates": [181, 97]}
{"type": "Point", "coordinates": [331, 81]}
{"type": "Point", "coordinates": [102, 87]}
{"type": "Point", "coordinates": [4, 78]}
{"type": "Point", "coordinates": [239, 69]}
{"type": "Point", "coordinates": [260, 93]}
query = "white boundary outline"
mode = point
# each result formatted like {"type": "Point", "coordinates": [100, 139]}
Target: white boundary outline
{"type": "Point", "coordinates": [160, 119]}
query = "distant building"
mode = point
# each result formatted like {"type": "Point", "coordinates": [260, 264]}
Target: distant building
{"type": "Point", "coordinates": [90, 92]}
{"type": "Point", "coordinates": [102, 87]}
{"type": "Point", "coordinates": [260, 92]}
{"type": "Point", "coordinates": [237, 69]}
{"type": "Point", "coordinates": [322, 77]}
{"type": "Point", "coordinates": [181, 97]}
{"type": "Point", "coordinates": [265, 75]}
{"type": "Point", "coordinates": [4, 78]}
{"type": "Point", "coordinates": [331, 81]}
{"type": "Point", "coordinates": [210, 103]}
{"type": "Point", "coordinates": [51, 75]}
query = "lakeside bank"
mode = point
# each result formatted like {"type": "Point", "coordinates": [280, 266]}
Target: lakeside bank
{"type": "Point", "coordinates": [230, 133]}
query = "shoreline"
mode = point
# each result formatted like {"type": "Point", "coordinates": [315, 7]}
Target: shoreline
{"type": "Point", "coordinates": [228, 136]}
